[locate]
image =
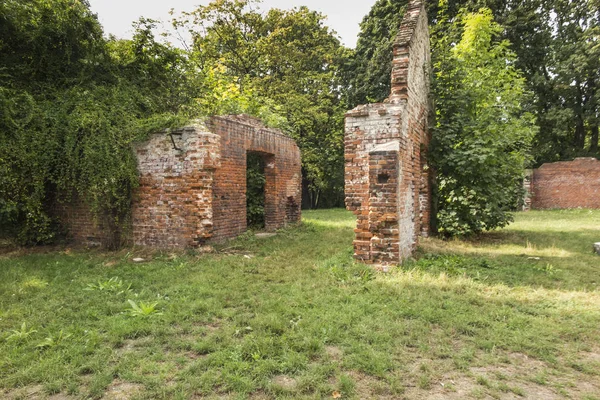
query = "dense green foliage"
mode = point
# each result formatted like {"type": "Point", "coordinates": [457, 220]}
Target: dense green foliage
{"type": "Point", "coordinates": [371, 67]}
{"type": "Point", "coordinates": [255, 190]}
{"type": "Point", "coordinates": [72, 103]}
{"type": "Point", "coordinates": [482, 138]}
{"type": "Point", "coordinates": [557, 51]}
{"type": "Point", "coordinates": [553, 45]}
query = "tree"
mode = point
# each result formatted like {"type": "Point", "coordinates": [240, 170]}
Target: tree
{"type": "Point", "coordinates": [71, 104]}
{"type": "Point", "coordinates": [292, 62]}
{"type": "Point", "coordinates": [47, 42]}
{"type": "Point", "coordinates": [556, 47]}
{"type": "Point", "coordinates": [577, 72]}
{"type": "Point", "coordinates": [371, 67]}
{"type": "Point", "coordinates": [482, 137]}
{"type": "Point", "coordinates": [45, 46]}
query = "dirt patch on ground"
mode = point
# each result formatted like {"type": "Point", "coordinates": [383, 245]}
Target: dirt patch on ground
{"type": "Point", "coordinates": [35, 392]}
{"type": "Point", "coordinates": [194, 355]}
{"type": "Point", "coordinates": [213, 326]}
{"type": "Point", "coordinates": [592, 356]}
{"type": "Point", "coordinates": [284, 382]}
{"type": "Point", "coordinates": [110, 263]}
{"type": "Point", "coordinates": [27, 392]}
{"type": "Point", "coordinates": [199, 331]}
{"type": "Point", "coordinates": [120, 390]}
{"type": "Point", "coordinates": [529, 378]}
{"type": "Point", "coordinates": [518, 376]}
{"type": "Point", "coordinates": [513, 376]}
{"type": "Point", "coordinates": [210, 327]}
{"type": "Point", "coordinates": [131, 345]}
{"type": "Point", "coordinates": [334, 353]}
{"type": "Point", "coordinates": [370, 387]}
{"type": "Point", "coordinates": [448, 388]}
{"type": "Point", "coordinates": [60, 396]}
{"type": "Point", "coordinates": [259, 395]}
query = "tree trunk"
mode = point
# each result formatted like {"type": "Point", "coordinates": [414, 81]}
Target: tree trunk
{"type": "Point", "coordinates": [580, 133]}
{"type": "Point", "coordinates": [594, 142]}
{"type": "Point", "coordinates": [579, 139]}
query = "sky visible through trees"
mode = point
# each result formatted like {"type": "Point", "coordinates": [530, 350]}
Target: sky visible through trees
{"type": "Point", "coordinates": [343, 16]}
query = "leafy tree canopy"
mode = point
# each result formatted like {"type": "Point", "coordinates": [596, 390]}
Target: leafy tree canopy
{"type": "Point", "coordinates": [482, 137]}
{"type": "Point", "coordinates": [293, 62]}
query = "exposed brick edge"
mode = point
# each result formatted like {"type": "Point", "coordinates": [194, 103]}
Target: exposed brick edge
{"type": "Point", "coordinates": [401, 49]}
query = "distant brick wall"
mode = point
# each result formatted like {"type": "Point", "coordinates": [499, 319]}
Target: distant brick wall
{"type": "Point", "coordinates": [193, 185]}
{"type": "Point", "coordinates": [387, 176]}
{"type": "Point", "coordinates": [567, 184]}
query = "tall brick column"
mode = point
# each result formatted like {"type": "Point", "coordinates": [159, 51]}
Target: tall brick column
{"type": "Point", "coordinates": [387, 176]}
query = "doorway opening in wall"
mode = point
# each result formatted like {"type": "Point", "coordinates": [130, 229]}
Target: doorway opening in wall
{"type": "Point", "coordinates": [255, 190]}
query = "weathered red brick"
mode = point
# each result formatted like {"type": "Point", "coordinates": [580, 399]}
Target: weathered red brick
{"type": "Point", "coordinates": [197, 192]}
{"type": "Point", "coordinates": [565, 184]}
{"type": "Point", "coordinates": [387, 176]}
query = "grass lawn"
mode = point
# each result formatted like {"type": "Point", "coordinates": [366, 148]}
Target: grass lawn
{"type": "Point", "coordinates": [513, 314]}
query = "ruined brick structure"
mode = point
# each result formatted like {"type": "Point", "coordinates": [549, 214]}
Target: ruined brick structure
{"type": "Point", "coordinates": [193, 185]}
{"type": "Point", "coordinates": [81, 224]}
{"type": "Point", "coordinates": [387, 176]}
{"type": "Point", "coordinates": [566, 184]}
{"type": "Point", "coordinates": [527, 189]}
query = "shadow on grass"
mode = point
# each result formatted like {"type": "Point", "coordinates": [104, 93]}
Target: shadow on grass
{"type": "Point", "coordinates": [518, 257]}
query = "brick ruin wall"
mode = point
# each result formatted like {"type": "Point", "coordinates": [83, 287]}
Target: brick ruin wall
{"type": "Point", "coordinates": [81, 224]}
{"type": "Point", "coordinates": [387, 176]}
{"type": "Point", "coordinates": [193, 186]}
{"type": "Point", "coordinates": [173, 204]}
{"type": "Point", "coordinates": [282, 172]}
{"type": "Point", "coordinates": [566, 184]}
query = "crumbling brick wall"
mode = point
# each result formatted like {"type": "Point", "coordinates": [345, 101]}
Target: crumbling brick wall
{"type": "Point", "coordinates": [238, 136]}
{"type": "Point", "coordinates": [193, 185]}
{"type": "Point", "coordinates": [173, 205]}
{"type": "Point", "coordinates": [566, 184]}
{"type": "Point", "coordinates": [82, 225]}
{"type": "Point", "coordinates": [387, 176]}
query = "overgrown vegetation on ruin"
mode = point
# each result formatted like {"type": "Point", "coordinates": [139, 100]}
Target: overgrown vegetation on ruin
{"type": "Point", "coordinates": [515, 313]}
{"type": "Point", "coordinates": [482, 138]}
{"type": "Point", "coordinates": [73, 101]}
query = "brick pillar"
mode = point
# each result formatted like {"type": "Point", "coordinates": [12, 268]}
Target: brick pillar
{"type": "Point", "coordinates": [387, 176]}
{"type": "Point", "coordinates": [383, 206]}
{"type": "Point", "coordinates": [401, 48]}
{"type": "Point", "coordinates": [273, 218]}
